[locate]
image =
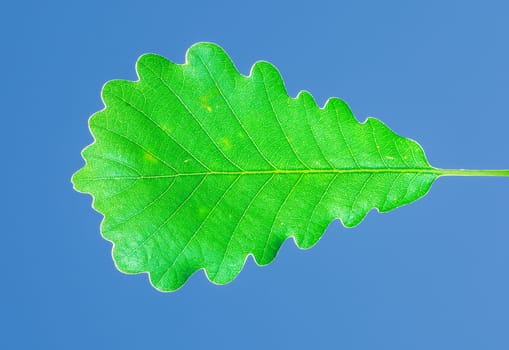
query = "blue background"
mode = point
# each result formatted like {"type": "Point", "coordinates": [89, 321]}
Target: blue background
{"type": "Point", "coordinates": [431, 275]}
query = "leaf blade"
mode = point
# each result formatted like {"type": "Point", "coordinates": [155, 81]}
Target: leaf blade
{"type": "Point", "coordinates": [196, 166]}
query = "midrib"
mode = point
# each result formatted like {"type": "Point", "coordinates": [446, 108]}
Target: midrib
{"type": "Point", "coordinates": [429, 171]}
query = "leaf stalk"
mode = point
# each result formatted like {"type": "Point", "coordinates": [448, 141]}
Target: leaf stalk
{"type": "Point", "coordinates": [468, 172]}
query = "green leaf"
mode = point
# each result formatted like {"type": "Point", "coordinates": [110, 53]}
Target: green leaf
{"type": "Point", "coordinates": [196, 166]}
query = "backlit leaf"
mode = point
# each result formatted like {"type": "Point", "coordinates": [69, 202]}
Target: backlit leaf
{"type": "Point", "coordinates": [195, 166]}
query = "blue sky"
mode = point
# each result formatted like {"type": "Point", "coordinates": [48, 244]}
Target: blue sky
{"type": "Point", "coordinates": [431, 275]}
